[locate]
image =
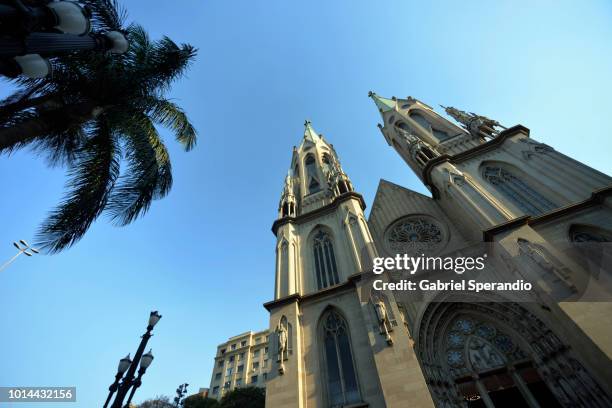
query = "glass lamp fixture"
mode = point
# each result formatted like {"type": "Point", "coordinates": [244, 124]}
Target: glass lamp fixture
{"type": "Point", "coordinates": [146, 360]}
{"type": "Point", "coordinates": [124, 364]}
{"type": "Point", "coordinates": [71, 18]}
{"type": "Point", "coordinates": [33, 65]}
{"type": "Point", "coordinates": [154, 318]}
{"type": "Point", "coordinates": [118, 43]}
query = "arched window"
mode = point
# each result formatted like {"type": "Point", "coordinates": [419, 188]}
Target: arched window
{"type": "Point", "coordinates": [420, 119]}
{"type": "Point", "coordinates": [340, 374]}
{"type": "Point", "coordinates": [326, 272]}
{"type": "Point", "coordinates": [327, 164]}
{"type": "Point", "coordinates": [441, 135]}
{"type": "Point", "coordinates": [586, 233]}
{"type": "Point", "coordinates": [520, 192]}
{"type": "Point", "coordinates": [311, 174]}
{"type": "Point", "coordinates": [403, 126]}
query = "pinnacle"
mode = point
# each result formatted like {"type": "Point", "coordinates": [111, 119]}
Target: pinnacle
{"type": "Point", "coordinates": [383, 104]}
{"type": "Point", "coordinates": [309, 133]}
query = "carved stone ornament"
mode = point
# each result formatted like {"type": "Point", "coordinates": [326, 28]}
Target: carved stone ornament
{"type": "Point", "coordinates": [477, 125]}
{"type": "Point", "coordinates": [414, 235]}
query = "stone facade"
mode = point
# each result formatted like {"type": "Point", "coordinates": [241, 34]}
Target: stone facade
{"type": "Point", "coordinates": [240, 361]}
{"type": "Point", "coordinates": [334, 342]}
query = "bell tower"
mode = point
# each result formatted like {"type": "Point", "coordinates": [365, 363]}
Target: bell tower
{"type": "Point", "coordinates": [479, 171]}
{"type": "Point", "coordinates": [318, 211]}
{"type": "Point", "coordinates": [323, 244]}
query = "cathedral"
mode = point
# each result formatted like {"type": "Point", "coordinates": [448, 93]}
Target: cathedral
{"type": "Point", "coordinates": [337, 342]}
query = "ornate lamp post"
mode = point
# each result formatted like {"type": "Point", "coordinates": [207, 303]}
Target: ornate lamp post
{"type": "Point", "coordinates": [24, 248]}
{"type": "Point", "coordinates": [129, 381]}
{"type": "Point", "coordinates": [44, 28]}
{"type": "Point", "coordinates": [124, 364]}
{"type": "Point", "coordinates": [145, 362]}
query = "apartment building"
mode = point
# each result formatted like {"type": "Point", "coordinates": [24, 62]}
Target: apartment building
{"type": "Point", "coordinates": [241, 361]}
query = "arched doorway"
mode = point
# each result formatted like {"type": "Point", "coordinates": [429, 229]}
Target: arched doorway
{"type": "Point", "coordinates": [485, 355]}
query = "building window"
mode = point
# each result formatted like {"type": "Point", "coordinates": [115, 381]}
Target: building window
{"type": "Point", "coordinates": [238, 382]}
{"type": "Point", "coordinates": [233, 346]}
{"type": "Point", "coordinates": [327, 164]}
{"type": "Point", "coordinates": [254, 379]}
{"type": "Point", "coordinates": [325, 262]}
{"type": "Point", "coordinates": [440, 135]}
{"type": "Point", "coordinates": [340, 372]}
{"type": "Point", "coordinates": [255, 365]}
{"type": "Point", "coordinates": [258, 340]}
{"type": "Point", "coordinates": [222, 351]}
{"type": "Point", "coordinates": [220, 363]}
{"type": "Point", "coordinates": [311, 174]}
{"type": "Point", "coordinates": [523, 195]}
{"type": "Point", "coordinates": [215, 390]}
{"type": "Point", "coordinates": [240, 368]}
{"type": "Point", "coordinates": [420, 119]}
{"type": "Point", "coordinates": [265, 376]}
{"type": "Point", "coordinates": [229, 371]}
{"type": "Point", "coordinates": [243, 343]}
{"type": "Point", "coordinates": [218, 376]}
{"type": "Point", "coordinates": [256, 353]}
{"type": "Point", "coordinates": [587, 233]}
{"type": "Point", "coordinates": [226, 385]}
{"type": "Point", "coordinates": [265, 363]}
{"type": "Point", "coordinates": [414, 235]}
{"type": "Point", "coordinates": [231, 359]}
{"type": "Point", "coordinates": [266, 350]}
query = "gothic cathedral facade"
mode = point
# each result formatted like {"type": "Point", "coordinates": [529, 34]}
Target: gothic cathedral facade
{"type": "Point", "coordinates": [337, 343]}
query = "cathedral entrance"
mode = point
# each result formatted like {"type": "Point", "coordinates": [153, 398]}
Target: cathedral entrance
{"type": "Point", "coordinates": [491, 355]}
{"type": "Point", "coordinates": [501, 388]}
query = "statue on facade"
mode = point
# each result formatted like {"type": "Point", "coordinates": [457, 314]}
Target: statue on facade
{"type": "Point", "coordinates": [283, 339]}
{"type": "Point", "coordinates": [384, 324]}
{"type": "Point", "coordinates": [476, 125]}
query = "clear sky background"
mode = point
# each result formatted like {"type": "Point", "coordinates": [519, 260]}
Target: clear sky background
{"type": "Point", "coordinates": [204, 256]}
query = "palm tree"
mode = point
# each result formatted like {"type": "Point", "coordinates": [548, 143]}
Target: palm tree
{"type": "Point", "coordinates": [96, 113]}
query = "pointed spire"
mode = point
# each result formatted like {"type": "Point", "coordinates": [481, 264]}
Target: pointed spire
{"type": "Point", "coordinates": [309, 132]}
{"type": "Point", "coordinates": [383, 104]}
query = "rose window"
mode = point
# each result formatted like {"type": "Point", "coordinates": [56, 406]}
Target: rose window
{"type": "Point", "coordinates": [414, 235]}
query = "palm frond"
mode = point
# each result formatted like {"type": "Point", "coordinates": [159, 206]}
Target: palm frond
{"type": "Point", "coordinates": [60, 148]}
{"type": "Point", "coordinates": [91, 180]}
{"type": "Point", "coordinates": [149, 173]}
{"type": "Point", "coordinates": [107, 15]}
{"type": "Point", "coordinates": [164, 61]}
{"type": "Point", "coordinates": [169, 115]}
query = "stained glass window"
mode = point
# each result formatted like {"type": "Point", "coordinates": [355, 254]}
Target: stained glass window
{"type": "Point", "coordinates": [341, 376]}
{"type": "Point", "coordinates": [326, 271]}
{"type": "Point", "coordinates": [518, 191]}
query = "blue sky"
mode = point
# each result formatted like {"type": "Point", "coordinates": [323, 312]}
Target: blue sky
{"type": "Point", "coordinates": [204, 256]}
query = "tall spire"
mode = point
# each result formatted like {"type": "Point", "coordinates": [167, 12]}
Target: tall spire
{"type": "Point", "coordinates": [383, 104]}
{"type": "Point", "coordinates": [309, 133]}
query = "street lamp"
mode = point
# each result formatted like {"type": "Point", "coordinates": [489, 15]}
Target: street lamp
{"type": "Point", "coordinates": [64, 16]}
{"type": "Point", "coordinates": [124, 364]}
{"type": "Point", "coordinates": [24, 248]}
{"type": "Point", "coordinates": [31, 33]}
{"type": "Point", "coordinates": [145, 361]}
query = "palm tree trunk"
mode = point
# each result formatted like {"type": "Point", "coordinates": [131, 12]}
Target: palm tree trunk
{"type": "Point", "coordinates": [46, 122]}
{"type": "Point", "coordinates": [22, 104]}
